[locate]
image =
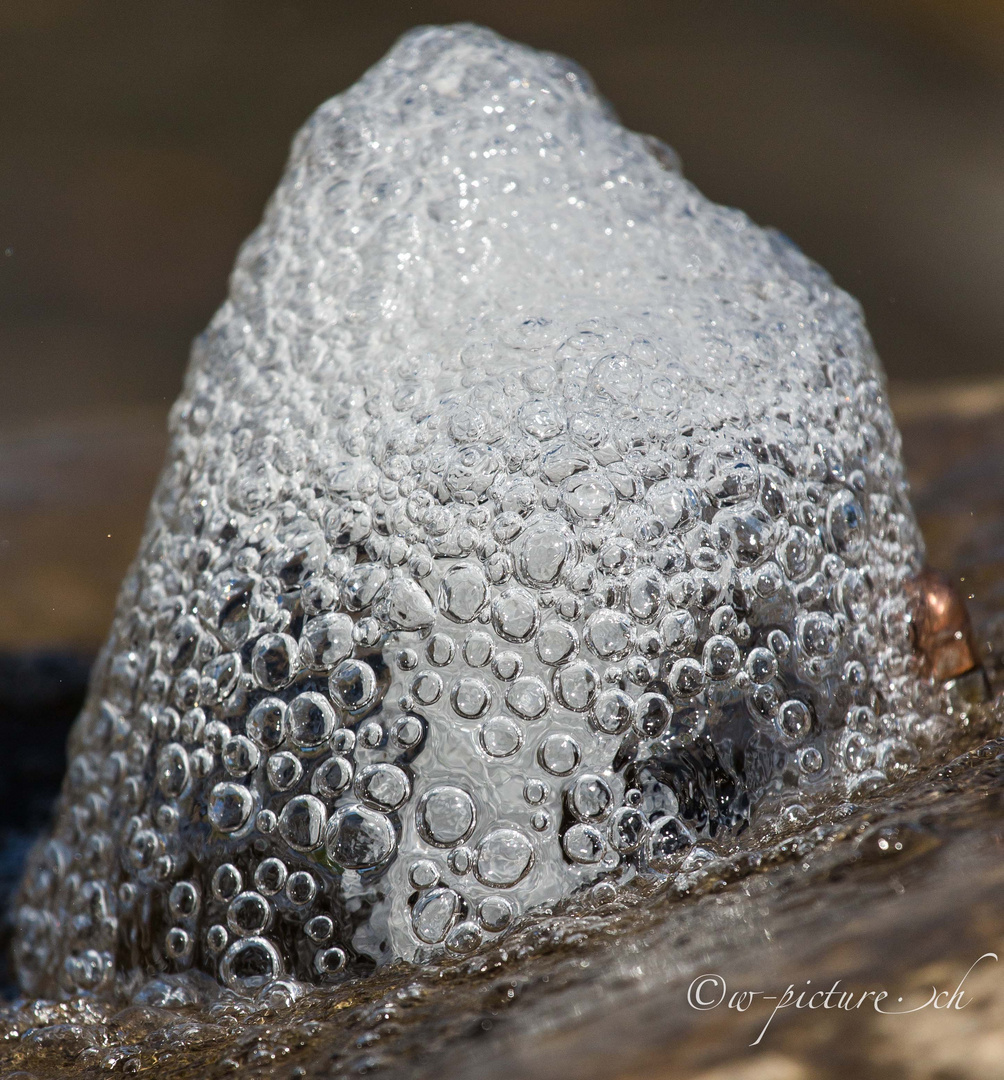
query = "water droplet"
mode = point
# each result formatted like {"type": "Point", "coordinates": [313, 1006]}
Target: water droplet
{"type": "Point", "coordinates": [846, 525]}
{"type": "Point", "coordinates": [778, 643]}
{"type": "Point", "coordinates": [583, 844]}
{"type": "Point", "coordinates": [184, 900]}
{"type": "Point", "coordinates": [678, 632]}
{"type": "Point", "coordinates": [342, 741]}
{"type": "Point", "coordinates": [434, 914]}
{"type": "Point", "coordinates": [177, 943]}
{"type": "Point", "coordinates": [616, 377]}
{"type": "Point", "coordinates": [463, 593]}
{"type": "Point", "coordinates": [284, 771]}
{"type": "Point", "coordinates": [217, 938]}
{"type": "Point", "coordinates": [172, 770]}
{"type": "Point", "coordinates": [445, 816]}
{"type": "Point", "coordinates": [250, 964]}
{"type": "Point", "coordinates": [495, 913]}
{"type": "Point", "coordinates": [652, 715]}
{"type": "Point", "coordinates": [478, 649]}
{"type": "Point", "coordinates": [440, 650]}
{"type": "Point", "coordinates": [240, 755]}
{"type": "Point", "coordinates": [272, 660]}
{"type": "Point", "coordinates": [668, 838]}
{"type": "Point", "coordinates": [383, 787]}
{"type": "Point", "coordinates": [799, 554]}
{"type": "Point", "coordinates": [407, 659]}
{"type": "Point", "coordinates": [227, 882]}
{"type": "Point", "coordinates": [507, 666]}
{"type": "Point", "coordinates": [319, 929]}
{"type": "Point", "coordinates": [329, 961]}
{"type": "Point", "coordinates": [463, 939]}
{"type": "Point", "coordinates": [514, 614]}
{"type": "Point", "coordinates": [358, 838]}
{"type": "Point", "coordinates": [301, 822]}
{"type": "Point", "coordinates": [348, 524]}
{"type": "Point", "coordinates": [215, 735]}
{"type": "Point", "coordinates": [407, 731]}
{"type": "Point", "coordinates": [612, 712]}
{"type": "Point", "coordinates": [423, 873]}
{"type": "Point", "coordinates": [310, 719]}
{"type": "Point", "coordinates": [229, 606]}
{"type": "Point", "coordinates": [427, 687]}
{"type": "Point", "coordinates": [761, 666]}
{"type": "Point", "coordinates": [644, 594]}
{"type": "Point", "coordinates": [229, 806]}
{"type": "Point", "coordinates": [535, 791]}
{"type": "Point", "coordinates": [504, 857]}
{"type": "Point", "coordinates": [360, 587]}
{"type": "Point", "coordinates": [527, 698]}
{"type": "Point", "coordinates": [500, 737]}
{"type": "Point", "coordinates": [721, 658]}
{"type": "Point", "coordinates": [575, 686]}
{"type": "Point", "coordinates": [219, 677]}
{"type": "Point", "coordinates": [589, 498]}
{"type": "Point", "coordinates": [404, 605]}
{"type": "Point", "coordinates": [589, 798]}
{"type": "Point", "coordinates": [675, 505]}
{"type": "Point", "coordinates": [627, 830]}
{"type": "Point", "coordinates": [542, 418]}
{"type": "Point", "coordinates": [325, 640]}
{"type": "Point", "coordinates": [810, 760]}
{"type": "Point", "coordinates": [608, 634]}
{"type": "Point", "coordinates": [471, 698]}
{"type": "Point", "coordinates": [331, 777]}
{"type": "Point", "coordinates": [556, 642]}
{"type": "Point", "coordinates": [558, 754]}
{"type": "Point", "coordinates": [817, 634]}
{"type": "Point", "coordinates": [301, 888]}
{"type": "Point", "coordinates": [249, 913]}
{"type": "Point", "coordinates": [686, 678]}
{"type": "Point", "coordinates": [353, 685]}
{"type": "Point", "coordinates": [266, 723]}
{"type": "Point", "coordinates": [270, 876]}
{"type": "Point", "coordinates": [730, 475]}
{"type": "Point", "coordinates": [461, 860]}
{"type": "Point", "coordinates": [858, 752]}
{"type": "Point", "coordinates": [794, 720]}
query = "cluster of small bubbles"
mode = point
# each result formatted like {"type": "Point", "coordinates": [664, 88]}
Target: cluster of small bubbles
{"type": "Point", "coordinates": [523, 527]}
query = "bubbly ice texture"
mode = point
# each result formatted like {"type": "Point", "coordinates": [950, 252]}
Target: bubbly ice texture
{"type": "Point", "coordinates": [529, 522]}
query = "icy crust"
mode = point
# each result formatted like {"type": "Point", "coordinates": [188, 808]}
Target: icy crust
{"type": "Point", "coordinates": [528, 521]}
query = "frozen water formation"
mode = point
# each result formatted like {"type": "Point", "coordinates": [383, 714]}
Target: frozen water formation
{"type": "Point", "coordinates": [528, 522]}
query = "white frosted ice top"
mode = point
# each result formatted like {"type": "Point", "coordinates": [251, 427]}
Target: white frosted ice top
{"type": "Point", "coordinates": [528, 520]}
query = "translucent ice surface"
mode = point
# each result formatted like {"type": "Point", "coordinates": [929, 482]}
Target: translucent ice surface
{"type": "Point", "coordinates": [529, 521]}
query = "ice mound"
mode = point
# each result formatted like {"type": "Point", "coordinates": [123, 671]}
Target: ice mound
{"type": "Point", "coordinates": [528, 520]}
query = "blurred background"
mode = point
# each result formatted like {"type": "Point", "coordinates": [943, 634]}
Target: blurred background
{"type": "Point", "coordinates": [139, 142]}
